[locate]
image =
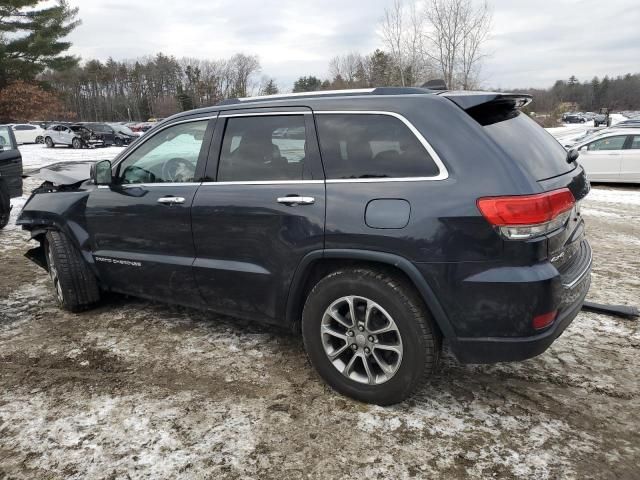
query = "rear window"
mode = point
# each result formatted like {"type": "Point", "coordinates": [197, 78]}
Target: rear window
{"type": "Point", "coordinates": [524, 141]}
{"type": "Point", "coordinates": [371, 146]}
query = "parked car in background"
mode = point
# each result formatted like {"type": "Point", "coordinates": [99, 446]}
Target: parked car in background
{"type": "Point", "coordinates": [123, 135]}
{"type": "Point", "coordinates": [373, 225]}
{"type": "Point", "coordinates": [26, 133]}
{"type": "Point", "coordinates": [76, 136]}
{"type": "Point", "coordinates": [105, 132]}
{"type": "Point", "coordinates": [10, 172]}
{"type": "Point", "coordinates": [573, 118]}
{"type": "Point", "coordinates": [630, 123]}
{"type": "Point", "coordinates": [143, 127]}
{"type": "Point", "coordinates": [613, 156]}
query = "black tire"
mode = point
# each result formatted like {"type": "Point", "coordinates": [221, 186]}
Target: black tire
{"type": "Point", "coordinates": [75, 284]}
{"type": "Point", "coordinates": [421, 342]}
{"type": "Point", "coordinates": [39, 139]}
{"type": "Point", "coordinates": [49, 142]}
{"type": "Point", "coordinates": [5, 204]}
{"type": "Point", "coordinates": [76, 143]}
{"type": "Point", "coordinates": [119, 142]}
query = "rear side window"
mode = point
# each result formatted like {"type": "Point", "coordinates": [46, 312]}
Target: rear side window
{"type": "Point", "coordinates": [609, 143]}
{"type": "Point", "coordinates": [524, 141]}
{"type": "Point", "coordinates": [371, 146]}
{"type": "Point", "coordinates": [264, 148]}
{"type": "Point", "coordinates": [635, 144]}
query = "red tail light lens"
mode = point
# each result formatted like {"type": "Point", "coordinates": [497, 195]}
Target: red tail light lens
{"type": "Point", "coordinates": [543, 321]}
{"type": "Point", "coordinates": [526, 216]}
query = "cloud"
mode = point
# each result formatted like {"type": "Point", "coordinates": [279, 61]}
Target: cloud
{"type": "Point", "coordinates": [533, 42]}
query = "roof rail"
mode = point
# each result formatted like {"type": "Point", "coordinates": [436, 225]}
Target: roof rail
{"type": "Point", "coordinates": [332, 93]}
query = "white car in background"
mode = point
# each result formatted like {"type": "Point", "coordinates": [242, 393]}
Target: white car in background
{"type": "Point", "coordinates": [27, 133]}
{"type": "Point", "coordinates": [612, 157]}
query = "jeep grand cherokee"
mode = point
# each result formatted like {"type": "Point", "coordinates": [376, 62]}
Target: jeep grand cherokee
{"type": "Point", "coordinates": [394, 218]}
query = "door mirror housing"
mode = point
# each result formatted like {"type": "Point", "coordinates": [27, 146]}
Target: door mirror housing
{"type": "Point", "coordinates": [572, 156]}
{"type": "Point", "coordinates": [101, 173]}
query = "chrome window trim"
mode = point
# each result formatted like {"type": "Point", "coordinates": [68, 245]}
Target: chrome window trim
{"type": "Point", "coordinates": [443, 173]}
{"type": "Point", "coordinates": [146, 139]}
{"type": "Point", "coordinates": [267, 182]}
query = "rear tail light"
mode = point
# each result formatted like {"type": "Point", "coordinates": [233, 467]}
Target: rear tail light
{"type": "Point", "coordinates": [528, 216]}
{"type": "Point", "coordinates": [543, 321]}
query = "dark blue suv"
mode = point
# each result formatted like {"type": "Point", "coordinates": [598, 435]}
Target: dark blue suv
{"type": "Point", "coordinates": [375, 222]}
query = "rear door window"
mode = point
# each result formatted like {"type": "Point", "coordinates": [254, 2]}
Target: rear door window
{"type": "Point", "coordinates": [371, 146]}
{"type": "Point", "coordinates": [524, 141]}
{"type": "Point", "coordinates": [609, 143]}
{"type": "Point", "coordinates": [635, 143]}
{"type": "Point", "coordinates": [264, 148]}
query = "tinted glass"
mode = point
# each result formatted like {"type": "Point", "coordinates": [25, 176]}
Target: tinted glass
{"type": "Point", "coordinates": [609, 143]}
{"type": "Point", "coordinates": [24, 127]}
{"type": "Point", "coordinates": [371, 146]}
{"type": "Point", "coordinates": [635, 144]}
{"type": "Point", "coordinates": [5, 139]}
{"type": "Point", "coordinates": [525, 142]}
{"type": "Point", "coordinates": [263, 148]}
{"type": "Point", "coordinates": [169, 156]}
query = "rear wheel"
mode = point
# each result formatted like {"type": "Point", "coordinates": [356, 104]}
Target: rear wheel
{"type": "Point", "coordinates": [49, 142]}
{"type": "Point", "coordinates": [76, 143]}
{"type": "Point", "coordinates": [39, 139]}
{"type": "Point", "coordinates": [5, 204]}
{"type": "Point", "coordinates": [119, 142]}
{"type": "Point", "coordinates": [369, 335]}
{"type": "Point", "coordinates": [75, 284]}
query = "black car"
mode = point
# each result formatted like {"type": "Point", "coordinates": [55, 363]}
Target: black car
{"type": "Point", "coordinates": [573, 118]}
{"type": "Point", "coordinates": [103, 131]}
{"type": "Point", "coordinates": [10, 173]}
{"type": "Point", "coordinates": [400, 218]}
{"type": "Point", "coordinates": [123, 135]}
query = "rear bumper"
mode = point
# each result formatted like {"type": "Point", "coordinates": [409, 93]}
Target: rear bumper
{"type": "Point", "coordinates": [510, 349]}
{"type": "Point", "coordinates": [491, 310]}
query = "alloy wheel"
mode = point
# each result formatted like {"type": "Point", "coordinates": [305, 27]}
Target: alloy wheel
{"type": "Point", "coordinates": [361, 340]}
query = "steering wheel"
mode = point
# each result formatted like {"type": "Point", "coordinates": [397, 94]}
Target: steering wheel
{"type": "Point", "coordinates": [178, 170]}
{"type": "Point", "coordinates": [139, 174]}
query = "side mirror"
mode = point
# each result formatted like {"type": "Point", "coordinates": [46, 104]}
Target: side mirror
{"type": "Point", "coordinates": [101, 173]}
{"type": "Point", "coordinates": [572, 156]}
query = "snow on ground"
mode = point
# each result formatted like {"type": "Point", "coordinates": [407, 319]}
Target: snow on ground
{"type": "Point", "coordinates": [38, 156]}
{"type": "Point", "coordinates": [135, 389]}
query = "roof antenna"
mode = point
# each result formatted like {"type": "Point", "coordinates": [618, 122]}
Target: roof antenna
{"type": "Point", "coordinates": [437, 84]}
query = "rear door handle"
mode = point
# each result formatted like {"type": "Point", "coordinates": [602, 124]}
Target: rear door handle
{"type": "Point", "coordinates": [171, 200]}
{"type": "Point", "coordinates": [295, 200]}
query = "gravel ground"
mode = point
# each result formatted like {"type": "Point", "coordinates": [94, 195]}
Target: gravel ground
{"type": "Point", "coordinates": [141, 390]}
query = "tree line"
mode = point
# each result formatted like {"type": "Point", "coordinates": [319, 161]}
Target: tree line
{"type": "Point", "coordinates": [421, 40]}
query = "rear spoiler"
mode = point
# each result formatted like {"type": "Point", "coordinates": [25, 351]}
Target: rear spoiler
{"type": "Point", "coordinates": [467, 99]}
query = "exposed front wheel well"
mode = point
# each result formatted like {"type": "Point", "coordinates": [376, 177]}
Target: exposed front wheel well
{"type": "Point", "coordinates": [322, 267]}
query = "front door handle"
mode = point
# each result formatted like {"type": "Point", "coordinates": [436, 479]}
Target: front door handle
{"type": "Point", "coordinates": [171, 200]}
{"type": "Point", "coordinates": [296, 200]}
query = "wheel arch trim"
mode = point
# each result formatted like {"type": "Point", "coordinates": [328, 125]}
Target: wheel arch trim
{"type": "Point", "coordinates": [296, 288]}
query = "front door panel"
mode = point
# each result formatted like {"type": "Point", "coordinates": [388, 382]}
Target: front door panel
{"type": "Point", "coordinates": [142, 246]}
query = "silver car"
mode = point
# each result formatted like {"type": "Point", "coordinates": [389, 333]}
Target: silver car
{"type": "Point", "coordinates": [76, 136]}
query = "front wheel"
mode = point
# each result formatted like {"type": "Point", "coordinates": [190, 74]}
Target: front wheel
{"type": "Point", "coordinates": [39, 139]}
{"type": "Point", "coordinates": [369, 335]}
{"type": "Point", "coordinates": [76, 143]}
{"type": "Point", "coordinates": [75, 285]}
{"type": "Point", "coordinates": [49, 142]}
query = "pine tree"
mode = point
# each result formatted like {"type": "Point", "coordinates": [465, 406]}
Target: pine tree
{"type": "Point", "coordinates": [269, 88]}
{"type": "Point", "coordinates": [307, 84]}
{"type": "Point", "coordinates": [31, 38]}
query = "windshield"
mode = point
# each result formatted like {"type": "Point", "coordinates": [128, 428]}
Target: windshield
{"type": "Point", "coordinates": [5, 139]}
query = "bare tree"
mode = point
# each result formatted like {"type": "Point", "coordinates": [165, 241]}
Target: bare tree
{"type": "Point", "coordinates": [454, 38]}
{"type": "Point", "coordinates": [392, 33]}
{"type": "Point", "coordinates": [477, 32]}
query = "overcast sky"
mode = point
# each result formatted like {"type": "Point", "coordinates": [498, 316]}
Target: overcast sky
{"type": "Point", "coordinates": [534, 42]}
